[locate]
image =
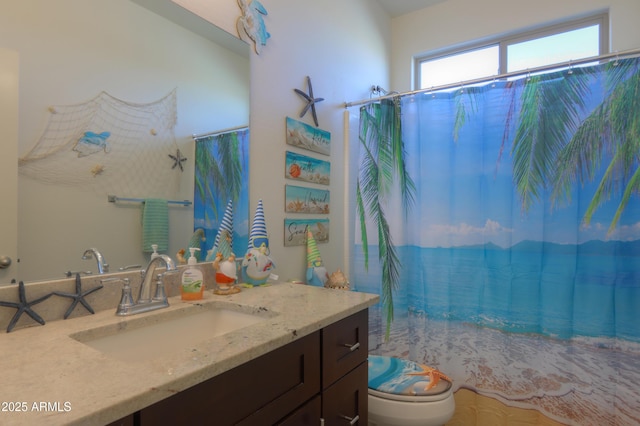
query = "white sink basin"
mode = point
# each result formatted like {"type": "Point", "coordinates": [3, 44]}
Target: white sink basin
{"type": "Point", "coordinates": [139, 338]}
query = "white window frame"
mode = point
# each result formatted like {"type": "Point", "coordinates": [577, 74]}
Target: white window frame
{"type": "Point", "coordinates": [601, 19]}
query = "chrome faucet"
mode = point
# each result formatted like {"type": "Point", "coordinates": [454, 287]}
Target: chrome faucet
{"type": "Point", "coordinates": [103, 266]}
{"type": "Point", "coordinates": [145, 302]}
{"type": "Point", "coordinates": [148, 274]}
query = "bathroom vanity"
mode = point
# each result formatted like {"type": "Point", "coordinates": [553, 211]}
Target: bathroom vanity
{"type": "Point", "coordinates": [321, 375]}
{"type": "Point", "coordinates": [303, 360]}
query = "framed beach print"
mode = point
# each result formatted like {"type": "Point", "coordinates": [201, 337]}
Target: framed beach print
{"type": "Point", "coordinates": [295, 231]}
{"type": "Point", "coordinates": [307, 169]}
{"type": "Point", "coordinates": [302, 135]}
{"type": "Point", "coordinates": [300, 199]}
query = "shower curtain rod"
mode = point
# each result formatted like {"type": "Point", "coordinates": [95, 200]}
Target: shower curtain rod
{"type": "Point", "coordinates": [616, 55]}
{"type": "Point", "coordinates": [219, 132]}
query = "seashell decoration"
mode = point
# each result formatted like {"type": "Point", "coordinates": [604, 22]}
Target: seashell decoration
{"type": "Point", "coordinates": [338, 281]}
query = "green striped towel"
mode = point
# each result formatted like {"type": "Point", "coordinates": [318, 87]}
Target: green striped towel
{"type": "Point", "coordinates": [155, 224]}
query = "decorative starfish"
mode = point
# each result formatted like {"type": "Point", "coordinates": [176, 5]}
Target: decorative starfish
{"type": "Point", "coordinates": [178, 159]}
{"type": "Point", "coordinates": [433, 375]}
{"type": "Point", "coordinates": [78, 297]}
{"type": "Point", "coordinates": [24, 306]}
{"type": "Point", "coordinates": [97, 169]}
{"type": "Point", "coordinates": [311, 101]}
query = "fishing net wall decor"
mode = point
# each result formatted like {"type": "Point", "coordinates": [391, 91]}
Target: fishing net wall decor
{"type": "Point", "coordinates": [109, 146]}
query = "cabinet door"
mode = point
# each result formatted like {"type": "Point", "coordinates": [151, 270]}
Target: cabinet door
{"type": "Point", "coordinates": [344, 346]}
{"type": "Point", "coordinates": [260, 392]}
{"type": "Point", "coordinates": [345, 402]}
{"type": "Point", "coordinates": [307, 415]}
{"type": "Point", "coordinates": [125, 421]}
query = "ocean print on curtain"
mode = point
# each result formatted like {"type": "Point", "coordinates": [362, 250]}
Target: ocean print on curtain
{"type": "Point", "coordinates": [520, 259]}
{"type": "Point", "coordinates": [222, 175]}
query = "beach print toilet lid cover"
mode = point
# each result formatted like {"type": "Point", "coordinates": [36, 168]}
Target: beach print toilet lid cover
{"type": "Point", "coordinates": [404, 377]}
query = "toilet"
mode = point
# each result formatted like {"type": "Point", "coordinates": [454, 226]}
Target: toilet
{"type": "Point", "coordinates": [405, 393]}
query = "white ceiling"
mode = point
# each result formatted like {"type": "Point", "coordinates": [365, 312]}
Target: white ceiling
{"type": "Point", "coordinates": [402, 7]}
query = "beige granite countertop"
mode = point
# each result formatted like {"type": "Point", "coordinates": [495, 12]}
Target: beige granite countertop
{"type": "Point", "coordinates": [54, 379]}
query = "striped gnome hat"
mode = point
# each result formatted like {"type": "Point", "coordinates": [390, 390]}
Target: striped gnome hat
{"type": "Point", "coordinates": [258, 235]}
{"type": "Point", "coordinates": [224, 247]}
{"type": "Point", "coordinates": [226, 225]}
{"type": "Point", "coordinates": [313, 254]}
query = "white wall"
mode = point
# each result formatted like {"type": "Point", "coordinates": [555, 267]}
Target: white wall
{"type": "Point", "coordinates": [9, 71]}
{"type": "Point", "coordinates": [456, 22]}
{"type": "Point", "coordinates": [222, 13]}
{"type": "Point", "coordinates": [344, 47]}
{"type": "Point", "coordinates": [71, 50]}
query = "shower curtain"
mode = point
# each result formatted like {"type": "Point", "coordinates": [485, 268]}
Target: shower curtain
{"type": "Point", "coordinates": [518, 261]}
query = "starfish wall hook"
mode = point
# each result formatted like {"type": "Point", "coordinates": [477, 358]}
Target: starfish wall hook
{"type": "Point", "coordinates": [24, 306]}
{"type": "Point", "coordinates": [78, 296]}
{"type": "Point", "coordinates": [311, 101]}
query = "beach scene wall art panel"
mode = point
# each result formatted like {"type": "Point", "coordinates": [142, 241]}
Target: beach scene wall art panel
{"type": "Point", "coordinates": [295, 231]}
{"type": "Point", "coordinates": [300, 199]}
{"type": "Point", "coordinates": [304, 136]}
{"type": "Point", "coordinates": [307, 169]}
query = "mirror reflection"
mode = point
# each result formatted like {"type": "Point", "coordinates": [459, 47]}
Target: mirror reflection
{"type": "Point", "coordinates": [132, 59]}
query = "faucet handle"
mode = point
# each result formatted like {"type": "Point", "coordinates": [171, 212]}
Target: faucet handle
{"type": "Point", "coordinates": [161, 295]}
{"type": "Point", "coordinates": [126, 300]}
{"type": "Point", "coordinates": [127, 267]}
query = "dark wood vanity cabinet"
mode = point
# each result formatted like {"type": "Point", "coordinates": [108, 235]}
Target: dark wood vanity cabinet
{"type": "Point", "coordinates": [319, 379]}
{"type": "Point", "coordinates": [125, 421]}
{"type": "Point", "coordinates": [345, 371]}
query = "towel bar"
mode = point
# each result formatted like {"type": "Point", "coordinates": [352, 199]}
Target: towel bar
{"type": "Point", "coordinates": [114, 199]}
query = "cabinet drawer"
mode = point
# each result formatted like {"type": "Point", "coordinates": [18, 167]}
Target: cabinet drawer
{"type": "Point", "coordinates": [345, 402]}
{"type": "Point", "coordinates": [344, 346]}
{"type": "Point", "coordinates": [262, 391]}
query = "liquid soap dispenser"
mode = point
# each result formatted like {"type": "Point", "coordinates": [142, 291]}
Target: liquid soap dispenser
{"type": "Point", "coordinates": [192, 285]}
{"type": "Point", "coordinates": [155, 253]}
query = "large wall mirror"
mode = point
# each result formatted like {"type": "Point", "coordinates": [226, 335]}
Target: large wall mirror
{"type": "Point", "coordinates": [137, 52]}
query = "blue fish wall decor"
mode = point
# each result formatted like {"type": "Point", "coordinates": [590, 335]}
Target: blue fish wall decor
{"type": "Point", "coordinates": [91, 143]}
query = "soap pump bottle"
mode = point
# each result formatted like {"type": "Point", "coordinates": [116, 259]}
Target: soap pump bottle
{"type": "Point", "coordinates": [155, 253]}
{"type": "Point", "coordinates": [192, 286]}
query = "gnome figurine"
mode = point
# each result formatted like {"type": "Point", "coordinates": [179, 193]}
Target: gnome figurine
{"type": "Point", "coordinates": [316, 272]}
{"type": "Point", "coordinates": [225, 266]}
{"type": "Point", "coordinates": [257, 265]}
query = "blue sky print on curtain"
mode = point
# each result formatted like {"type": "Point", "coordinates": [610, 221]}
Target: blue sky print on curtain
{"type": "Point", "coordinates": [222, 174]}
{"type": "Point", "coordinates": [520, 272]}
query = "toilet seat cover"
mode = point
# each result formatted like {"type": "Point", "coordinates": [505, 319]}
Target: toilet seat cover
{"type": "Point", "coordinates": [404, 378]}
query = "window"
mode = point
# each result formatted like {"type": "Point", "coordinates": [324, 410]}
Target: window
{"type": "Point", "coordinates": [551, 45]}
{"type": "Point", "coordinates": [455, 67]}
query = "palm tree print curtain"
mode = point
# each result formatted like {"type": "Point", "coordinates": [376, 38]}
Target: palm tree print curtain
{"type": "Point", "coordinates": [222, 175]}
{"type": "Point", "coordinates": [518, 263]}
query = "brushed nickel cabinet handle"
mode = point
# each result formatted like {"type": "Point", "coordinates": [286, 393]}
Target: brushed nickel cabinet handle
{"type": "Point", "coordinates": [352, 347]}
{"type": "Point", "coordinates": [352, 420]}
